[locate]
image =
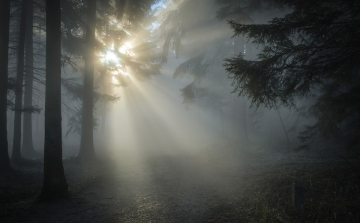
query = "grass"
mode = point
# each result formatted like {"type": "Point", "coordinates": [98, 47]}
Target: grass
{"type": "Point", "coordinates": [331, 193]}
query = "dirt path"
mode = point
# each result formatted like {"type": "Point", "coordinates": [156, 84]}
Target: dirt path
{"type": "Point", "coordinates": [141, 187]}
{"type": "Point", "coordinates": [166, 188]}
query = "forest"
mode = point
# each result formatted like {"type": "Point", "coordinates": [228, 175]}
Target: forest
{"type": "Point", "coordinates": [179, 111]}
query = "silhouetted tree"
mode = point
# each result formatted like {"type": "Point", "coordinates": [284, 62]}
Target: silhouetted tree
{"type": "Point", "coordinates": [4, 42]}
{"type": "Point", "coordinates": [143, 65]}
{"type": "Point", "coordinates": [242, 11]}
{"type": "Point", "coordinates": [16, 152]}
{"type": "Point", "coordinates": [313, 50]}
{"type": "Point", "coordinates": [27, 146]}
{"type": "Point", "coordinates": [87, 138]}
{"type": "Point", "coordinates": [54, 185]}
{"type": "Point", "coordinates": [209, 88]}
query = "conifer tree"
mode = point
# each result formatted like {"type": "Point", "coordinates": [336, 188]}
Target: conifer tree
{"type": "Point", "coordinates": [54, 184]}
{"type": "Point", "coordinates": [4, 43]}
{"type": "Point", "coordinates": [135, 13]}
{"type": "Point", "coordinates": [27, 145]}
{"type": "Point", "coordinates": [313, 50]}
{"type": "Point", "coordinates": [87, 141]}
{"type": "Point", "coordinates": [16, 152]}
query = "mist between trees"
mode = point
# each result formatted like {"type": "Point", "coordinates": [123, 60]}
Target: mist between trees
{"type": "Point", "coordinates": [87, 79]}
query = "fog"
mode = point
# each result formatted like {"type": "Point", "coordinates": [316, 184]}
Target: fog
{"type": "Point", "coordinates": [153, 114]}
{"type": "Point", "coordinates": [156, 117]}
{"type": "Point", "coordinates": [179, 111]}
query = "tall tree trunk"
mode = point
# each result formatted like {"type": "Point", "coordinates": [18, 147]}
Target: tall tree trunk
{"type": "Point", "coordinates": [10, 116]}
{"type": "Point", "coordinates": [103, 120]}
{"type": "Point", "coordinates": [104, 110]}
{"type": "Point", "coordinates": [239, 45]}
{"type": "Point", "coordinates": [54, 185]}
{"type": "Point", "coordinates": [16, 154]}
{"type": "Point", "coordinates": [239, 48]}
{"type": "Point", "coordinates": [4, 50]}
{"type": "Point", "coordinates": [87, 152]}
{"type": "Point", "coordinates": [249, 50]}
{"type": "Point", "coordinates": [244, 120]}
{"type": "Point", "coordinates": [234, 111]}
{"type": "Point", "coordinates": [283, 126]}
{"type": "Point", "coordinates": [27, 146]}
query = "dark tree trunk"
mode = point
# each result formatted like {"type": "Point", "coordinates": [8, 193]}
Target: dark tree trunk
{"type": "Point", "coordinates": [239, 48]}
{"type": "Point", "coordinates": [27, 146]}
{"type": "Point", "coordinates": [239, 44]}
{"type": "Point", "coordinates": [86, 152]}
{"type": "Point", "coordinates": [286, 134]}
{"type": "Point", "coordinates": [4, 42]}
{"type": "Point", "coordinates": [16, 154]}
{"type": "Point", "coordinates": [249, 51]}
{"type": "Point", "coordinates": [10, 115]}
{"type": "Point", "coordinates": [54, 185]}
{"type": "Point", "coordinates": [244, 120]}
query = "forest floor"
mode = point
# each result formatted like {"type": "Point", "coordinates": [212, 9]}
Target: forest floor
{"type": "Point", "coordinates": [227, 185]}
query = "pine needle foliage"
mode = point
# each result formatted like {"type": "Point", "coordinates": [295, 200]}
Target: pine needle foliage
{"type": "Point", "coordinates": [196, 67]}
{"type": "Point", "coordinates": [312, 51]}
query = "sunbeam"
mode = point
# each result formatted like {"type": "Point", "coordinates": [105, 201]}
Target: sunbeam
{"type": "Point", "coordinates": [179, 111]}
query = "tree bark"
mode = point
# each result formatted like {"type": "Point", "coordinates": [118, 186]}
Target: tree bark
{"type": "Point", "coordinates": [27, 146]}
{"type": "Point", "coordinates": [54, 185]}
{"type": "Point", "coordinates": [16, 152]}
{"type": "Point", "coordinates": [4, 50]}
{"type": "Point", "coordinates": [87, 152]}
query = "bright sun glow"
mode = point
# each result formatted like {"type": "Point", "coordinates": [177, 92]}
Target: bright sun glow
{"type": "Point", "coordinates": [126, 49]}
{"type": "Point", "coordinates": [110, 57]}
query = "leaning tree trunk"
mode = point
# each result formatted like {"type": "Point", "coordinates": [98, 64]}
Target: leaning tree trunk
{"type": "Point", "coordinates": [283, 126]}
{"type": "Point", "coordinates": [87, 152]}
{"type": "Point", "coordinates": [4, 42]}
{"type": "Point", "coordinates": [16, 154]}
{"type": "Point", "coordinates": [54, 185]}
{"type": "Point", "coordinates": [27, 146]}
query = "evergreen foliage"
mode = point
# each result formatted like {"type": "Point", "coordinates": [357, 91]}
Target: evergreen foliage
{"type": "Point", "coordinates": [311, 51]}
{"type": "Point", "coordinates": [181, 20]}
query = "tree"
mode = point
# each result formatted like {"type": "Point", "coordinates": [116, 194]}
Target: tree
{"type": "Point", "coordinates": [142, 66]}
{"type": "Point", "coordinates": [27, 146]}
{"type": "Point", "coordinates": [313, 50]}
{"type": "Point", "coordinates": [209, 89]}
{"type": "Point", "coordinates": [54, 184]}
{"type": "Point", "coordinates": [16, 152]}
{"type": "Point", "coordinates": [242, 11]}
{"type": "Point", "coordinates": [4, 42]}
{"type": "Point", "coordinates": [87, 137]}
